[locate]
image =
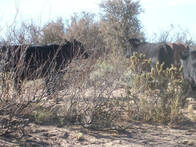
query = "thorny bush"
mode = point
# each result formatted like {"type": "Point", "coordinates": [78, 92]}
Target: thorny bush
{"type": "Point", "coordinates": [158, 95]}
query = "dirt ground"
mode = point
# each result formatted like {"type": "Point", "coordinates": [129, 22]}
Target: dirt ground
{"type": "Point", "coordinates": [138, 134]}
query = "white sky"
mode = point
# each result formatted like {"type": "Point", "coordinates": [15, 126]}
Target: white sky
{"type": "Point", "coordinates": [158, 14]}
{"type": "Point", "coordinates": [44, 10]}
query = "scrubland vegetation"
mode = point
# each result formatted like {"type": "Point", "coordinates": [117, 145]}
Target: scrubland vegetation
{"type": "Point", "coordinates": [105, 91]}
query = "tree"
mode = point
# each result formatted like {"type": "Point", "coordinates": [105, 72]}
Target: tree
{"type": "Point", "coordinates": [120, 22]}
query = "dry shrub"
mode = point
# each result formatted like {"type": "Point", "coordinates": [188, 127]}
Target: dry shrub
{"type": "Point", "coordinates": [53, 32]}
{"type": "Point", "coordinates": [29, 32]}
{"type": "Point", "coordinates": [173, 34]}
{"type": "Point", "coordinates": [16, 109]}
{"type": "Point", "coordinates": [83, 27]}
{"type": "Point", "coordinates": [13, 109]}
{"type": "Point", "coordinates": [104, 92]}
{"type": "Point", "coordinates": [86, 99]}
{"type": "Point", "coordinates": [19, 108]}
{"type": "Point", "coordinates": [158, 95]}
{"type": "Point", "coordinates": [26, 33]}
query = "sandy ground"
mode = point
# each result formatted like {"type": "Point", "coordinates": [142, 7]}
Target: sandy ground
{"type": "Point", "coordinates": [137, 135]}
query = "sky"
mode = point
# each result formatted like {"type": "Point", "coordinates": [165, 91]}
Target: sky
{"type": "Point", "coordinates": [158, 15]}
